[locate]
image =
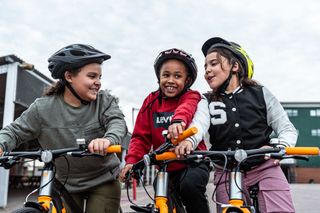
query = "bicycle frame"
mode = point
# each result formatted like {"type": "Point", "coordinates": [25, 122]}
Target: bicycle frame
{"type": "Point", "coordinates": [48, 199]}
{"type": "Point", "coordinates": [161, 194]}
{"type": "Point", "coordinates": [162, 179]}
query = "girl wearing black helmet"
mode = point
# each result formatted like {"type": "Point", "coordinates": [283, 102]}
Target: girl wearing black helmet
{"type": "Point", "coordinates": [71, 109]}
{"type": "Point", "coordinates": [239, 113]}
{"type": "Point", "coordinates": [171, 107]}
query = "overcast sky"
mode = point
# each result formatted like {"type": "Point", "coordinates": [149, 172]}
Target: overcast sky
{"type": "Point", "coordinates": [282, 37]}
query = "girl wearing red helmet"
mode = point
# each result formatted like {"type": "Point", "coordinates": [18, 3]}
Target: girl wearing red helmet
{"type": "Point", "coordinates": [171, 107]}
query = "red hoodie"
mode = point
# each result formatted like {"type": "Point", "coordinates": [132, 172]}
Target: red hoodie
{"type": "Point", "coordinates": [154, 117]}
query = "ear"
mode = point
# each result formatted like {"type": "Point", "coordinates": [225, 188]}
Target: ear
{"type": "Point", "coordinates": [235, 67]}
{"type": "Point", "coordinates": [68, 76]}
{"type": "Point", "coordinates": [188, 80]}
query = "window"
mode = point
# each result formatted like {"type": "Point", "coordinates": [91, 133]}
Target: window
{"type": "Point", "coordinates": [315, 132]}
{"type": "Point", "coordinates": [315, 112]}
{"type": "Point", "coordinates": [292, 112]}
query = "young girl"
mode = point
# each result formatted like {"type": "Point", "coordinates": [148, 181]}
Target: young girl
{"type": "Point", "coordinates": [241, 114]}
{"type": "Point", "coordinates": [75, 108]}
{"type": "Point", "coordinates": [171, 107]}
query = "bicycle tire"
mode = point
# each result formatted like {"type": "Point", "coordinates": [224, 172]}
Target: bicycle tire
{"type": "Point", "coordinates": [27, 210]}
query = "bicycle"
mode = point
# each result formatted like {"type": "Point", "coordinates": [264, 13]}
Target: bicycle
{"type": "Point", "coordinates": [233, 161]}
{"type": "Point", "coordinates": [51, 190]}
{"type": "Point", "coordinates": [161, 196]}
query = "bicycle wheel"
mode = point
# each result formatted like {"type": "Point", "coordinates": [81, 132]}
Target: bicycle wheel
{"type": "Point", "coordinates": [27, 210]}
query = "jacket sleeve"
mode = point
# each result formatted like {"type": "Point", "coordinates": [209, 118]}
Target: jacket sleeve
{"type": "Point", "coordinates": [141, 140]}
{"type": "Point", "coordinates": [113, 121]}
{"type": "Point", "coordinates": [187, 107]}
{"type": "Point", "coordinates": [25, 128]}
{"type": "Point", "coordinates": [278, 119]}
{"type": "Point", "coordinates": [201, 121]}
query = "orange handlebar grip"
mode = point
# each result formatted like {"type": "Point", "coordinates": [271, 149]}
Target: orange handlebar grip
{"type": "Point", "coordinates": [114, 149]}
{"type": "Point", "coordinates": [187, 133]}
{"type": "Point", "coordinates": [166, 156]}
{"type": "Point", "coordinates": [302, 151]}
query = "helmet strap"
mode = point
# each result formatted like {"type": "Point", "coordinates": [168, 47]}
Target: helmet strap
{"type": "Point", "coordinates": [224, 86]}
{"type": "Point", "coordinates": [84, 102]}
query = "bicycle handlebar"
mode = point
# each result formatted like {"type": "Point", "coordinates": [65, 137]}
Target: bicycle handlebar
{"type": "Point", "coordinates": [151, 157]}
{"type": "Point", "coordinates": [302, 151]}
{"type": "Point", "coordinates": [310, 151]}
{"type": "Point", "coordinates": [185, 134]}
{"type": "Point", "coordinates": [10, 158]}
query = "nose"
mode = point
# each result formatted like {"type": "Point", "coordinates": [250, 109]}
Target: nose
{"type": "Point", "coordinates": [98, 81]}
{"type": "Point", "coordinates": [207, 70]}
{"type": "Point", "coordinates": [171, 79]}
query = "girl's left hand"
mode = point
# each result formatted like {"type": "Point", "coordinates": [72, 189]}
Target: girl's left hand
{"type": "Point", "coordinates": [99, 146]}
{"type": "Point", "coordinates": [184, 147]}
{"type": "Point", "coordinates": [275, 161]}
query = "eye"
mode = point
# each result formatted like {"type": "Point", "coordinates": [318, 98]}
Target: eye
{"type": "Point", "coordinates": [214, 63]}
{"type": "Point", "coordinates": [165, 75]}
{"type": "Point", "coordinates": [177, 76]}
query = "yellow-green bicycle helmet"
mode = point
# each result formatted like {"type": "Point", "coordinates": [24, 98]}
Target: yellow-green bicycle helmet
{"type": "Point", "coordinates": [235, 48]}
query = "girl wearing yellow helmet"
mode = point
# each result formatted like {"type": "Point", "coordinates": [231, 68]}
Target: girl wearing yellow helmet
{"type": "Point", "coordinates": [239, 113]}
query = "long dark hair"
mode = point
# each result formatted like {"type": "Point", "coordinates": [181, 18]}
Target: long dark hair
{"type": "Point", "coordinates": [244, 80]}
{"type": "Point", "coordinates": [59, 87]}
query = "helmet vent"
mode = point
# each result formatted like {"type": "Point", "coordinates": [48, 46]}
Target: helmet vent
{"type": "Point", "coordinates": [77, 53]}
{"type": "Point", "coordinates": [61, 54]}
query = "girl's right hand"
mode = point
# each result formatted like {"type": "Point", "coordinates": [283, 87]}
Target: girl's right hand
{"type": "Point", "coordinates": [124, 171]}
{"type": "Point", "coordinates": [175, 129]}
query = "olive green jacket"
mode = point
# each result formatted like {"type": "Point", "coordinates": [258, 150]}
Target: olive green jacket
{"type": "Point", "coordinates": [57, 124]}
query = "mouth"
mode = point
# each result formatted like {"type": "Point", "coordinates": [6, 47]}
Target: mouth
{"type": "Point", "coordinates": [170, 88]}
{"type": "Point", "coordinates": [209, 78]}
{"type": "Point", "coordinates": [95, 90]}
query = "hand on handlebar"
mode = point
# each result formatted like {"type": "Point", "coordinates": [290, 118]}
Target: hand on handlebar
{"type": "Point", "coordinates": [1, 152]}
{"type": "Point", "coordinates": [99, 146]}
{"type": "Point", "coordinates": [275, 161]}
{"type": "Point", "coordinates": [175, 129]}
{"type": "Point", "coordinates": [184, 147]}
{"type": "Point", "coordinates": [124, 171]}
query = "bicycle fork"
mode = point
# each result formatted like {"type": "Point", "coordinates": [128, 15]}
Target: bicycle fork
{"type": "Point", "coordinates": [236, 201]}
{"type": "Point", "coordinates": [45, 191]}
{"type": "Point", "coordinates": [161, 194]}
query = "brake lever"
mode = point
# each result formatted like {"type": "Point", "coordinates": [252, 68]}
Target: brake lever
{"type": "Point", "coordinates": [84, 153]}
{"type": "Point", "coordinates": [280, 156]}
{"type": "Point", "coordinates": [10, 162]}
{"type": "Point", "coordinates": [298, 157]}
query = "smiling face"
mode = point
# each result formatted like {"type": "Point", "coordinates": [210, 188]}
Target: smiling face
{"type": "Point", "coordinates": [86, 82]}
{"type": "Point", "coordinates": [217, 69]}
{"type": "Point", "coordinates": [173, 77]}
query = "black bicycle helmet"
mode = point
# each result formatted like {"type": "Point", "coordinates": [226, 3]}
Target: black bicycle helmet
{"type": "Point", "coordinates": [180, 55]}
{"type": "Point", "coordinates": [235, 48]}
{"type": "Point", "coordinates": [72, 57]}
